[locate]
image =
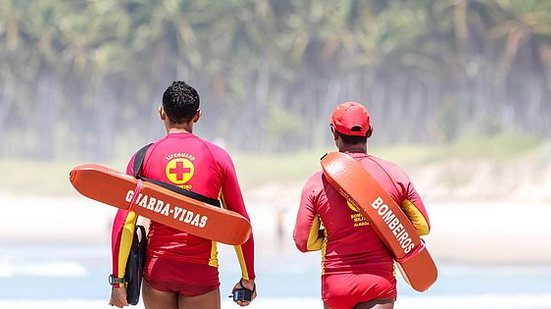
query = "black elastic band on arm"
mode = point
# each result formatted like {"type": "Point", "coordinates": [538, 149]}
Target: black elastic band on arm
{"type": "Point", "coordinates": [137, 167]}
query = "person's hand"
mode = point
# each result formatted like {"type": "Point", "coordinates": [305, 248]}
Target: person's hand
{"type": "Point", "coordinates": [247, 284]}
{"type": "Point", "coordinates": [118, 297]}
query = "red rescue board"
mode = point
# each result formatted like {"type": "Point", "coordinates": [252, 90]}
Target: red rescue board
{"type": "Point", "coordinates": [159, 204]}
{"type": "Point", "coordinates": [356, 184]}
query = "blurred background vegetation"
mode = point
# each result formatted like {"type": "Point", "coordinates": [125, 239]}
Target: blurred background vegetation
{"type": "Point", "coordinates": [82, 80]}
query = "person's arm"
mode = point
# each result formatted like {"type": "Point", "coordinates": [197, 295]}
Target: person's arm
{"type": "Point", "coordinates": [232, 199]}
{"type": "Point", "coordinates": [122, 235]}
{"type": "Point", "coordinates": [308, 234]}
{"type": "Point", "coordinates": [414, 208]}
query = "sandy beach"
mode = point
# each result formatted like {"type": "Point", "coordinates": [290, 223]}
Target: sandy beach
{"type": "Point", "coordinates": [505, 232]}
{"type": "Point", "coordinates": [490, 233]}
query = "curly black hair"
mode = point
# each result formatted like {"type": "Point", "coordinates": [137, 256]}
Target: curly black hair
{"type": "Point", "coordinates": [180, 102]}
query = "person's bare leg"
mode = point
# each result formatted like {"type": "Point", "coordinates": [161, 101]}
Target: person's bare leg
{"type": "Point", "coordinates": [155, 299]}
{"type": "Point", "coordinates": [381, 303]}
{"type": "Point", "coordinates": [209, 300]}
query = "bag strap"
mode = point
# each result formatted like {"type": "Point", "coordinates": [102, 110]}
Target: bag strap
{"type": "Point", "coordinates": [143, 239]}
{"type": "Point", "coordinates": [137, 167]}
{"type": "Point", "coordinates": [138, 160]}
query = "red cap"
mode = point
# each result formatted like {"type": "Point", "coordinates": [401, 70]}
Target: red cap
{"type": "Point", "coordinates": [351, 118]}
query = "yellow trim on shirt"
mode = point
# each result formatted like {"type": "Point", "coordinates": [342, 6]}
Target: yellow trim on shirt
{"type": "Point", "coordinates": [213, 260]}
{"type": "Point", "coordinates": [241, 258]}
{"type": "Point", "coordinates": [238, 249]}
{"type": "Point", "coordinates": [127, 235]}
{"type": "Point", "coordinates": [416, 217]}
{"type": "Point", "coordinates": [315, 242]}
{"type": "Point", "coordinates": [323, 250]}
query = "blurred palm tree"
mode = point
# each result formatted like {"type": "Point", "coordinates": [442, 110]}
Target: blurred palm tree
{"type": "Point", "coordinates": [87, 75]}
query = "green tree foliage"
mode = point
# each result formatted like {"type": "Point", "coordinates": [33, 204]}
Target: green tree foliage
{"type": "Point", "coordinates": [84, 78]}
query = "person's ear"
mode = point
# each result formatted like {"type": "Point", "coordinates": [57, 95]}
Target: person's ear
{"type": "Point", "coordinates": [162, 113]}
{"type": "Point", "coordinates": [334, 132]}
{"type": "Point", "coordinates": [369, 132]}
{"type": "Point", "coordinates": [197, 116]}
{"type": "Point", "coordinates": [335, 136]}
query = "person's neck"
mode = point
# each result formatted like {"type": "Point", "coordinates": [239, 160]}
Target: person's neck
{"type": "Point", "coordinates": [354, 149]}
{"type": "Point", "coordinates": [174, 130]}
{"type": "Point", "coordinates": [180, 128]}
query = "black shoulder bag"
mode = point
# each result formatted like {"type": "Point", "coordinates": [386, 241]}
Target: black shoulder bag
{"type": "Point", "coordinates": [135, 265]}
{"type": "Point", "coordinates": [136, 257]}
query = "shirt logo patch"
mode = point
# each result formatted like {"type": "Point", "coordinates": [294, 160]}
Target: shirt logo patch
{"type": "Point", "coordinates": [356, 217]}
{"type": "Point", "coordinates": [179, 170]}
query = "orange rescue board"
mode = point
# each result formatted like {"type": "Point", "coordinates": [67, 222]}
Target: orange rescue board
{"type": "Point", "coordinates": [159, 204]}
{"type": "Point", "coordinates": [376, 206]}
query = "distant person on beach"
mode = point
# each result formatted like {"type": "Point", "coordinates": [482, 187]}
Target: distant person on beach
{"type": "Point", "coordinates": [181, 270]}
{"type": "Point", "coordinates": [357, 268]}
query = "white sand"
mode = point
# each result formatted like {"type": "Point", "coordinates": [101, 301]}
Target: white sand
{"type": "Point", "coordinates": [493, 232]}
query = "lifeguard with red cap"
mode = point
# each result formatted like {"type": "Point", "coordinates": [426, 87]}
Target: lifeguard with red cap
{"type": "Point", "coordinates": [357, 267]}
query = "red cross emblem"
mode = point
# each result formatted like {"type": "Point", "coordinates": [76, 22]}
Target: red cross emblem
{"type": "Point", "coordinates": [179, 170]}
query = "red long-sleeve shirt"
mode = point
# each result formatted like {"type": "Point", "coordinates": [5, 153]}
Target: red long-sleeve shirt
{"type": "Point", "coordinates": [348, 243]}
{"type": "Point", "coordinates": [194, 164]}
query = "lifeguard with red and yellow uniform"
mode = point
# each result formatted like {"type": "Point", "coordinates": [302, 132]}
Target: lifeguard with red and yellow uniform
{"type": "Point", "coordinates": [181, 228]}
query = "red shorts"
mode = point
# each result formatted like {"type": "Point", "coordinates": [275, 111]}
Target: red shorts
{"type": "Point", "coordinates": [188, 279]}
{"type": "Point", "coordinates": [344, 291]}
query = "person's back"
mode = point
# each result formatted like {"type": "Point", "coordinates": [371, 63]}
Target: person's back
{"type": "Point", "coordinates": [194, 164]}
{"type": "Point", "coordinates": [357, 267]}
